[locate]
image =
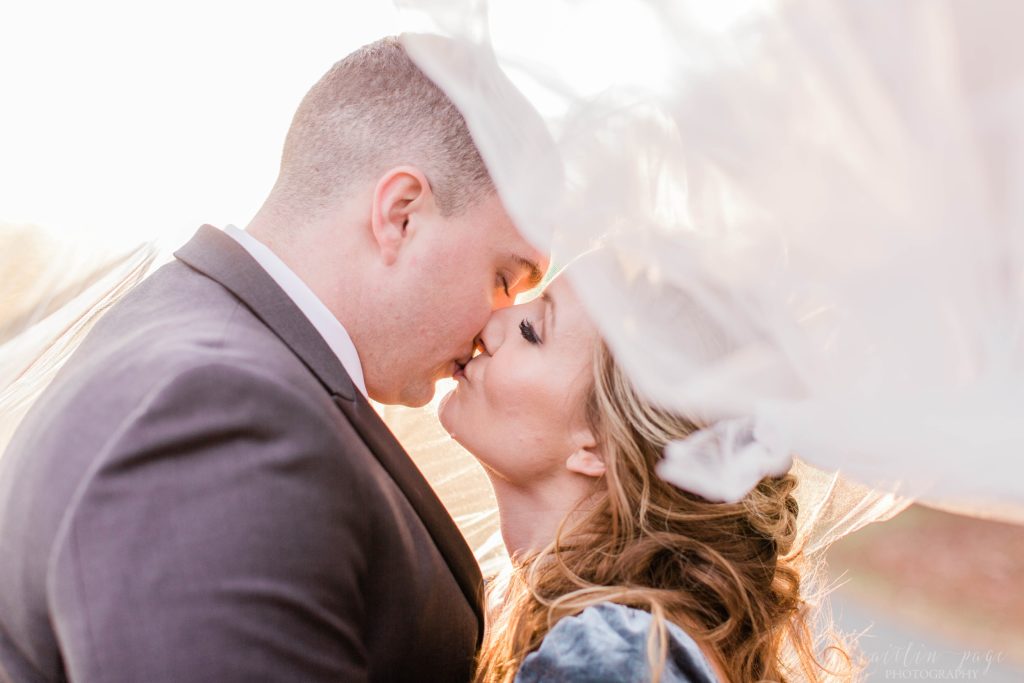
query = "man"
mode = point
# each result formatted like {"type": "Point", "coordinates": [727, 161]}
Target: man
{"type": "Point", "coordinates": [204, 492]}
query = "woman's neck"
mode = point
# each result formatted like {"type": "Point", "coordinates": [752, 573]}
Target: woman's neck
{"type": "Point", "coordinates": [530, 516]}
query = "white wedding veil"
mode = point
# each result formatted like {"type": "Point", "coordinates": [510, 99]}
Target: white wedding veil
{"type": "Point", "coordinates": [52, 290]}
{"type": "Point", "coordinates": [833, 186]}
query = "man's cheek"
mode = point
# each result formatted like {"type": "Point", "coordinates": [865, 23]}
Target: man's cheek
{"type": "Point", "coordinates": [473, 317]}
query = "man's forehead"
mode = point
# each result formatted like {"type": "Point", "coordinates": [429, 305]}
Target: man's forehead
{"type": "Point", "coordinates": [518, 247]}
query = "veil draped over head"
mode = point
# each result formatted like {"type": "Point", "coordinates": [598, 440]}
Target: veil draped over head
{"type": "Point", "coordinates": [810, 215]}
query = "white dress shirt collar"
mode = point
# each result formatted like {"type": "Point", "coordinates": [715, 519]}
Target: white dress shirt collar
{"type": "Point", "coordinates": [323, 320]}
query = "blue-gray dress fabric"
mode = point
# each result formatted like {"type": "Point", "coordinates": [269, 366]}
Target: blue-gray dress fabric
{"type": "Point", "coordinates": [607, 643]}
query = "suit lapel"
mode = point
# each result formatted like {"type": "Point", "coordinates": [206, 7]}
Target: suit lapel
{"type": "Point", "coordinates": [421, 496]}
{"type": "Point", "coordinates": [222, 259]}
{"type": "Point", "coordinates": [219, 257]}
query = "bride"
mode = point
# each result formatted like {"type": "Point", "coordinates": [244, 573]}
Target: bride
{"type": "Point", "coordinates": [611, 565]}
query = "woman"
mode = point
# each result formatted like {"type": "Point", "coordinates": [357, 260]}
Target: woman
{"type": "Point", "coordinates": [617, 575]}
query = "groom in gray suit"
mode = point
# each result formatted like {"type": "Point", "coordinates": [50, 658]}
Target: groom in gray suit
{"type": "Point", "coordinates": [204, 493]}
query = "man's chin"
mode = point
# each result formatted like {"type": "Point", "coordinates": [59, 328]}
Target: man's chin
{"type": "Point", "coordinates": [419, 396]}
{"type": "Point", "coordinates": [417, 403]}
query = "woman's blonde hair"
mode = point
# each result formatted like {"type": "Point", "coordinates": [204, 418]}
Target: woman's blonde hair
{"type": "Point", "coordinates": [726, 573]}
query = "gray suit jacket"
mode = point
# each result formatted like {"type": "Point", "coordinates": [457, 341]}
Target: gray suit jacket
{"type": "Point", "coordinates": [203, 495]}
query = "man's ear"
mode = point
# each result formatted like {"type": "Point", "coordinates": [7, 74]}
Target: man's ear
{"type": "Point", "coordinates": [400, 193]}
{"type": "Point", "coordinates": [587, 459]}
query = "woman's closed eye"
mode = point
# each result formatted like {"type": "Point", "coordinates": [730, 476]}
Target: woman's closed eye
{"type": "Point", "coordinates": [529, 333]}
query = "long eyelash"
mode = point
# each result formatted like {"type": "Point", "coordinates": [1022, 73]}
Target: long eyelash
{"type": "Point", "coordinates": [528, 332]}
{"type": "Point", "coordinates": [504, 284]}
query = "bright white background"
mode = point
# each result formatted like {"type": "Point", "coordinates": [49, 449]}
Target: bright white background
{"type": "Point", "coordinates": [121, 120]}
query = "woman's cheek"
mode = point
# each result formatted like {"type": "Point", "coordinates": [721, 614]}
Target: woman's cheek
{"type": "Point", "coordinates": [509, 388]}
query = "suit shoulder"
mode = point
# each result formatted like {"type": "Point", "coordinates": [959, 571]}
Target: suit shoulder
{"type": "Point", "coordinates": [216, 418]}
{"type": "Point", "coordinates": [228, 387]}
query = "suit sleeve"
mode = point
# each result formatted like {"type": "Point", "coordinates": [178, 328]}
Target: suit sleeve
{"type": "Point", "coordinates": [222, 537]}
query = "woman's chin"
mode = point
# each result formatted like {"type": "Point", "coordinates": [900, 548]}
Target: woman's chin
{"type": "Point", "coordinates": [450, 415]}
{"type": "Point", "coordinates": [446, 411]}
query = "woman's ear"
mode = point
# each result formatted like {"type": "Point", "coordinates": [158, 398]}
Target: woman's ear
{"type": "Point", "coordinates": [586, 462]}
{"type": "Point", "coordinates": [399, 194]}
{"type": "Point", "coordinates": [587, 459]}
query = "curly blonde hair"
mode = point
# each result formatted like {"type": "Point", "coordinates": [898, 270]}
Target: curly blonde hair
{"type": "Point", "coordinates": [727, 573]}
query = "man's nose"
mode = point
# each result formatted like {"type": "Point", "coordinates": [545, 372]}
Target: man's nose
{"type": "Point", "coordinates": [491, 337]}
{"type": "Point", "coordinates": [501, 302]}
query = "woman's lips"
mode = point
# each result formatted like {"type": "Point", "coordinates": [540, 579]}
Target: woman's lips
{"type": "Point", "coordinates": [460, 370]}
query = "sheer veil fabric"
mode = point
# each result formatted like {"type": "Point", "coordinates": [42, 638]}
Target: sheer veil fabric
{"type": "Point", "coordinates": [52, 290]}
{"type": "Point", "coordinates": [809, 214]}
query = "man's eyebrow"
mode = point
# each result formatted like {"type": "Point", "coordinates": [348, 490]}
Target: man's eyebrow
{"type": "Point", "coordinates": [551, 309]}
{"type": "Point", "coordinates": [535, 273]}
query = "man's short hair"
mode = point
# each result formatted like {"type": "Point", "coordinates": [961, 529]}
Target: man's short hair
{"type": "Point", "coordinates": [372, 111]}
